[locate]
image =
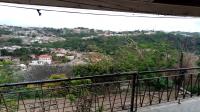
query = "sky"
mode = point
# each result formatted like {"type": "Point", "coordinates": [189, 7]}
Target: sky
{"type": "Point", "coordinates": [30, 18]}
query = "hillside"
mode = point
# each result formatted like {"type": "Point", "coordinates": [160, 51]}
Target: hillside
{"type": "Point", "coordinates": [93, 52]}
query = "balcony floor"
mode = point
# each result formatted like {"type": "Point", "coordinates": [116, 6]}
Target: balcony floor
{"type": "Point", "coordinates": [187, 105]}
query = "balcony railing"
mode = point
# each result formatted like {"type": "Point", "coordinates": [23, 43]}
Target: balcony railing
{"type": "Point", "coordinates": [105, 93]}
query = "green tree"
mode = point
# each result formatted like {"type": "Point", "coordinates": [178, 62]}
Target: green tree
{"type": "Point", "coordinates": [6, 72]}
{"type": "Point", "coordinates": [15, 41]}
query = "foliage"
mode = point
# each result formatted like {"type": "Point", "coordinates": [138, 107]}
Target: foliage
{"type": "Point", "coordinates": [131, 58]}
{"type": "Point", "coordinates": [57, 76]}
{"type": "Point", "coordinates": [6, 72]}
{"type": "Point", "coordinates": [98, 68]}
{"type": "Point", "coordinates": [5, 32]}
{"type": "Point", "coordinates": [15, 41]}
{"type": "Point", "coordinates": [60, 59]}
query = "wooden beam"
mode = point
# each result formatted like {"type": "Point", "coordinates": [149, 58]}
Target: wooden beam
{"type": "Point", "coordinates": [140, 6]}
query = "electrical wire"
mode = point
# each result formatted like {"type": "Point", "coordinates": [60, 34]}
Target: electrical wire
{"type": "Point", "coordinates": [96, 14]}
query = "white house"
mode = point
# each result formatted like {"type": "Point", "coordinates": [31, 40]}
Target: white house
{"type": "Point", "coordinates": [47, 59]}
{"type": "Point", "coordinates": [70, 57]}
{"type": "Point", "coordinates": [60, 55]}
{"type": "Point", "coordinates": [42, 60]}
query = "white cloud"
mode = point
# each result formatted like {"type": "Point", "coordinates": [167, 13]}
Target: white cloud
{"type": "Point", "coordinates": [24, 17]}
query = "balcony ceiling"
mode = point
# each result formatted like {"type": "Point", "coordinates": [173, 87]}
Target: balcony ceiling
{"type": "Point", "coordinates": [165, 7]}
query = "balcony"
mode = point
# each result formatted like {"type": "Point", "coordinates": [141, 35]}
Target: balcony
{"type": "Point", "coordinates": [121, 92]}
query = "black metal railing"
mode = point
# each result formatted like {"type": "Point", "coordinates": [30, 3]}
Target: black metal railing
{"type": "Point", "coordinates": [104, 93]}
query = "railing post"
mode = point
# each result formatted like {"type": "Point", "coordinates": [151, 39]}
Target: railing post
{"type": "Point", "coordinates": [198, 86]}
{"type": "Point", "coordinates": [133, 93]}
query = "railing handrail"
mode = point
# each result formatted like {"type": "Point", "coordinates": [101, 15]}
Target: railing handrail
{"type": "Point", "coordinates": [96, 76]}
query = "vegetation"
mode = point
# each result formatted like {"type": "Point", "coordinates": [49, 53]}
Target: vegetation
{"type": "Point", "coordinates": [8, 73]}
{"type": "Point", "coordinates": [159, 50]}
{"type": "Point", "coordinates": [15, 41]}
{"type": "Point", "coordinates": [5, 32]}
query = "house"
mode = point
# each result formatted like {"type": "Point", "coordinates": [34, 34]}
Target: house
{"type": "Point", "coordinates": [23, 67]}
{"type": "Point", "coordinates": [42, 60]}
{"type": "Point", "coordinates": [47, 59]}
{"type": "Point", "coordinates": [33, 56]}
{"type": "Point", "coordinates": [60, 51]}
{"type": "Point", "coordinates": [70, 57]}
{"type": "Point", "coordinates": [11, 48]}
{"type": "Point", "coordinates": [36, 62]}
{"type": "Point", "coordinates": [60, 55]}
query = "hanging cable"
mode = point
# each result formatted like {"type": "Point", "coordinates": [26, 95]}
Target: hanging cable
{"type": "Point", "coordinates": [38, 10]}
{"type": "Point", "coordinates": [98, 14]}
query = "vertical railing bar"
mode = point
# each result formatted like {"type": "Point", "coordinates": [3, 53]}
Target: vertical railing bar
{"type": "Point", "coordinates": [57, 104]}
{"type": "Point", "coordinates": [184, 92]}
{"type": "Point", "coordinates": [50, 100]}
{"type": "Point", "coordinates": [145, 90]}
{"type": "Point", "coordinates": [170, 93]}
{"type": "Point", "coordinates": [126, 94]}
{"type": "Point", "coordinates": [114, 101]}
{"type": "Point", "coordinates": [167, 88]}
{"type": "Point", "coordinates": [92, 95]}
{"type": "Point", "coordinates": [23, 103]}
{"type": "Point", "coordinates": [104, 96]}
{"type": "Point", "coordinates": [195, 84]}
{"type": "Point", "coordinates": [140, 93]}
{"type": "Point", "coordinates": [35, 98]}
{"type": "Point", "coordinates": [133, 92]}
{"type": "Point", "coordinates": [153, 95]}
{"type": "Point", "coordinates": [43, 105]}
{"type": "Point", "coordinates": [176, 92]}
{"type": "Point", "coordinates": [198, 87]}
{"type": "Point", "coordinates": [4, 101]}
{"type": "Point", "coordinates": [98, 102]}
{"type": "Point", "coordinates": [161, 97]}
{"type": "Point", "coordinates": [120, 95]}
{"type": "Point", "coordinates": [137, 91]}
{"type": "Point", "coordinates": [158, 80]}
{"type": "Point", "coordinates": [18, 102]}
{"type": "Point", "coordinates": [191, 89]}
{"type": "Point", "coordinates": [109, 97]}
{"type": "Point", "coordinates": [65, 89]}
{"type": "Point", "coordinates": [95, 100]}
{"type": "Point", "coordinates": [149, 91]}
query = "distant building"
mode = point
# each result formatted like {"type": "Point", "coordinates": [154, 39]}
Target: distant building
{"type": "Point", "coordinates": [42, 60]}
{"type": "Point", "coordinates": [23, 67]}
{"type": "Point", "coordinates": [36, 62]}
{"type": "Point", "coordinates": [70, 57]}
{"type": "Point", "coordinates": [11, 48]}
{"type": "Point", "coordinates": [60, 55]}
{"type": "Point", "coordinates": [60, 51]}
{"type": "Point", "coordinates": [45, 58]}
{"type": "Point", "coordinates": [33, 56]}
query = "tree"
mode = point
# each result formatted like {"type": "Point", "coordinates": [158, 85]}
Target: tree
{"type": "Point", "coordinates": [45, 71]}
{"type": "Point", "coordinates": [4, 52]}
{"type": "Point", "coordinates": [8, 74]}
{"type": "Point", "coordinates": [15, 41]}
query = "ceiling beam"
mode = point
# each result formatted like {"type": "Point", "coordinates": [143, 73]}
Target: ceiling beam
{"type": "Point", "coordinates": [140, 6]}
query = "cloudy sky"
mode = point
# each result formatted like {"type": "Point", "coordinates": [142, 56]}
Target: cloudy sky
{"type": "Point", "coordinates": [25, 17]}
